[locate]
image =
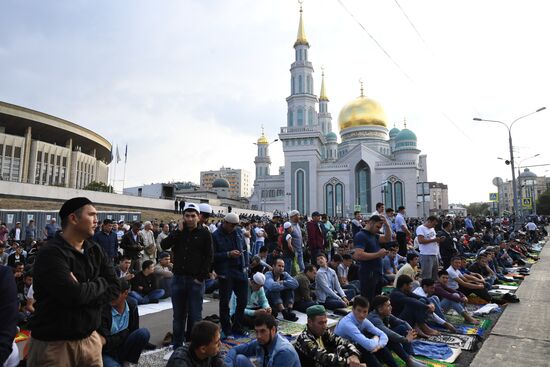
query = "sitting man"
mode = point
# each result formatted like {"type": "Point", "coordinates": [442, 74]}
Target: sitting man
{"type": "Point", "coordinates": [257, 266]}
{"type": "Point", "coordinates": [410, 307]}
{"type": "Point", "coordinates": [451, 298]}
{"type": "Point", "coordinates": [481, 267]}
{"type": "Point", "coordinates": [410, 269]}
{"type": "Point", "coordinates": [270, 349]}
{"type": "Point", "coordinates": [389, 267]}
{"type": "Point", "coordinates": [303, 295]}
{"type": "Point", "coordinates": [327, 287]}
{"type": "Point", "coordinates": [256, 304]}
{"type": "Point", "coordinates": [466, 283]}
{"type": "Point", "coordinates": [144, 287]}
{"type": "Point", "coordinates": [399, 332]}
{"type": "Point", "coordinates": [123, 339]}
{"type": "Point", "coordinates": [343, 272]}
{"type": "Point", "coordinates": [163, 273]}
{"type": "Point", "coordinates": [317, 346]}
{"type": "Point", "coordinates": [204, 349]}
{"type": "Point", "coordinates": [123, 269]}
{"type": "Point", "coordinates": [280, 286]}
{"type": "Point", "coordinates": [427, 290]}
{"type": "Point", "coordinates": [371, 341]}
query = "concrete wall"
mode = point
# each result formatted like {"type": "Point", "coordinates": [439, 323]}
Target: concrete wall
{"type": "Point", "coordinates": [31, 191]}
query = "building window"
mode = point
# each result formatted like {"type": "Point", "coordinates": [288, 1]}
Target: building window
{"type": "Point", "coordinates": [300, 117]}
{"type": "Point", "coordinates": [290, 118]}
{"type": "Point", "coordinates": [292, 86]}
{"type": "Point", "coordinates": [329, 200]}
{"type": "Point", "coordinates": [398, 194]}
{"type": "Point", "coordinates": [339, 200]}
{"type": "Point", "coordinates": [309, 85]}
{"type": "Point", "coordinates": [300, 84]}
{"type": "Point", "coordinates": [300, 190]}
{"type": "Point", "coordinates": [310, 116]}
{"type": "Point", "coordinates": [362, 187]}
{"type": "Point", "coordinates": [388, 195]}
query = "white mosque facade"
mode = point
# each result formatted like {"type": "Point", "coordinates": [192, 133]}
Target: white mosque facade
{"type": "Point", "coordinates": [369, 165]}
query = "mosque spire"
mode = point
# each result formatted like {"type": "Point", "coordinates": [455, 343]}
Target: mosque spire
{"type": "Point", "coordinates": [405, 122]}
{"type": "Point", "coordinates": [301, 38]}
{"type": "Point", "coordinates": [362, 91]}
{"type": "Point", "coordinates": [323, 95]}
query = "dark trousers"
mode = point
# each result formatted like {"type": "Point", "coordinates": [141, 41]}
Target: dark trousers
{"type": "Point", "coordinates": [402, 242]}
{"type": "Point", "coordinates": [240, 287]}
{"type": "Point", "coordinates": [302, 306]}
{"type": "Point", "coordinates": [414, 314]}
{"type": "Point", "coordinates": [378, 359]}
{"type": "Point", "coordinates": [371, 284]}
{"type": "Point", "coordinates": [187, 296]}
{"type": "Point", "coordinates": [481, 293]}
{"type": "Point", "coordinates": [131, 349]}
{"type": "Point", "coordinates": [403, 350]}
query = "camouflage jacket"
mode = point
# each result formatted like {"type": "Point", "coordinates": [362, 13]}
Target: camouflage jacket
{"type": "Point", "coordinates": [335, 353]}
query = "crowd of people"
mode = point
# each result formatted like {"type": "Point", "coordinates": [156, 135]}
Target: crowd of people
{"type": "Point", "coordinates": [77, 286]}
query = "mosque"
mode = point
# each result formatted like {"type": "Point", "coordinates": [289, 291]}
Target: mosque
{"type": "Point", "coordinates": [369, 165]}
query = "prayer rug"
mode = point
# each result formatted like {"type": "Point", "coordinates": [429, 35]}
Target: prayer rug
{"type": "Point", "coordinates": [464, 342]}
{"type": "Point", "coordinates": [429, 362]}
{"type": "Point", "coordinates": [22, 336]}
{"type": "Point", "coordinates": [290, 328]}
{"type": "Point", "coordinates": [479, 329]}
{"type": "Point", "coordinates": [164, 304]}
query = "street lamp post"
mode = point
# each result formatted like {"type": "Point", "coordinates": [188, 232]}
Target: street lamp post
{"type": "Point", "coordinates": [514, 183]}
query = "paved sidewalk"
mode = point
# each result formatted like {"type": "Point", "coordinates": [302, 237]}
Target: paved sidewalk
{"type": "Point", "coordinates": [521, 336]}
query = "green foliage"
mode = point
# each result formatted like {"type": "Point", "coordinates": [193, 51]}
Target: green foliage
{"type": "Point", "coordinates": [543, 203]}
{"type": "Point", "coordinates": [478, 209]}
{"type": "Point", "coordinates": [98, 186]}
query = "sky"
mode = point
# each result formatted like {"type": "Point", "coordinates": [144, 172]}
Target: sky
{"type": "Point", "coordinates": [187, 85]}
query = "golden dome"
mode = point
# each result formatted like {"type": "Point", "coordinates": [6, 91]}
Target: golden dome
{"type": "Point", "coordinates": [362, 111]}
{"type": "Point", "coordinates": [263, 139]}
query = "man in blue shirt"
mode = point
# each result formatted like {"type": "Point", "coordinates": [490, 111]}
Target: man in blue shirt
{"type": "Point", "coordinates": [371, 341]}
{"type": "Point", "coordinates": [108, 240]}
{"type": "Point", "coordinates": [51, 228]}
{"type": "Point", "coordinates": [369, 254]}
{"type": "Point", "coordinates": [469, 224]}
{"type": "Point", "coordinates": [270, 349]}
{"type": "Point", "coordinates": [401, 230]}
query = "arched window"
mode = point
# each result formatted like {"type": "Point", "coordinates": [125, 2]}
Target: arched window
{"type": "Point", "coordinates": [305, 54]}
{"type": "Point", "coordinates": [300, 117]}
{"type": "Point", "coordinates": [292, 87]}
{"type": "Point", "coordinates": [310, 116]}
{"type": "Point", "coordinates": [339, 200]}
{"type": "Point", "coordinates": [290, 118]}
{"type": "Point", "coordinates": [388, 195]}
{"type": "Point", "coordinates": [329, 200]}
{"type": "Point", "coordinates": [297, 55]}
{"type": "Point", "coordinates": [398, 194]}
{"type": "Point", "coordinates": [300, 190]}
{"type": "Point", "coordinates": [300, 84]}
{"type": "Point", "coordinates": [309, 85]}
{"type": "Point", "coordinates": [362, 187]}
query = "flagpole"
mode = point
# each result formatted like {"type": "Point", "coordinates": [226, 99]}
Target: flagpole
{"type": "Point", "coordinates": [124, 172]}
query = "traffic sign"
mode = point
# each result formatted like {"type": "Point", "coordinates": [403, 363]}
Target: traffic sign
{"type": "Point", "coordinates": [493, 196]}
{"type": "Point", "coordinates": [526, 202]}
{"type": "Point", "coordinates": [357, 208]}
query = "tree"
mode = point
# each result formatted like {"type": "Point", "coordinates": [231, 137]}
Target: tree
{"type": "Point", "coordinates": [543, 203]}
{"type": "Point", "coordinates": [98, 186]}
{"type": "Point", "coordinates": [478, 209]}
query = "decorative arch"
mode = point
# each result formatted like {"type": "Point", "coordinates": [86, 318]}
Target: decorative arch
{"type": "Point", "coordinates": [300, 180]}
{"type": "Point", "coordinates": [394, 193]}
{"type": "Point", "coordinates": [334, 197]}
{"type": "Point", "coordinates": [363, 187]}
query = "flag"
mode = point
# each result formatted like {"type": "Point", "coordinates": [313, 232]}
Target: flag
{"type": "Point", "coordinates": [117, 154]}
{"type": "Point", "coordinates": [126, 154]}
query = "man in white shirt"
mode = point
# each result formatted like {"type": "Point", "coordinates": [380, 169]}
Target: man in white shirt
{"type": "Point", "coordinates": [429, 248]}
{"type": "Point", "coordinates": [150, 250]}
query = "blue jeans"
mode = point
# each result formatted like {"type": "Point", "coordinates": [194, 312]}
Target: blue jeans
{"type": "Point", "coordinates": [333, 303]}
{"type": "Point", "coordinates": [438, 309]}
{"type": "Point", "coordinates": [131, 349]}
{"type": "Point", "coordinates": [229, 285]}
{"type": "Point", "coordinates": [285, 297]}
{"type": "Point", "coordinates": [187, 296]}
{"type": "Point", "coordinates": [302, 306]}
{"type": "Point", "coordinates": [152, 296]}
{"type": "Point", "coordinates": [242, 361]}
{"type": "Point", "coordinates": [300, 256]}
{"type": "Point", "coordinates": [447, 304]}
{"type": "Point", "coordinates": [289, 262]}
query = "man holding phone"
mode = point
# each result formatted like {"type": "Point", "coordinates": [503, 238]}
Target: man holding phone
{"type": "Point", "coordinates": [429, 248]}
{"type": "Point", "coordinates": [369, 254]}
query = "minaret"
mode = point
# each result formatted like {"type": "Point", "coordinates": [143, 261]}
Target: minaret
{"type": "Point", "coordinates": [262, 160]}
{"type": "Point", "coordinates": [302, 100]}
{"type": "Point", "coordinates": [325, 119]}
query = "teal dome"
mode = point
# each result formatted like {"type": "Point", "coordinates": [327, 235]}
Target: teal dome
{"type": "Point", "coordinates": [405, 134]}
{"type": "Point", "coordinates": [331, 136]}
{"type": "Point", "coordinates": [220, 183]}
{"type": "Point", "coordinates": [394, 132]}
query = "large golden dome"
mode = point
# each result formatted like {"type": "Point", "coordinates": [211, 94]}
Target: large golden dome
{"type": "Point", "coordinates": [362, 111]}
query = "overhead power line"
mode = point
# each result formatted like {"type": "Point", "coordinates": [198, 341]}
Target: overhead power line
{"type": "Point", "coordinates": [413, 26]}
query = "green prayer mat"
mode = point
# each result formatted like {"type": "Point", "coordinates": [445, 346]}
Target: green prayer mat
{"type": "Point", "coordinates": [429, 362]}
{"type": "Point", "coordinates": [290, 328]}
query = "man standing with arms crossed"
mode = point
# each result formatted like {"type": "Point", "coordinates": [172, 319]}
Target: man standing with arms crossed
{"type": "Point", "coordinates": [429, 248]}
{"type": "Point", "coordinates": [74, 279]}
{"type": "Point", "coordinates": [369, 254]}
{"type": "Point", "coordinates": [191, 247]}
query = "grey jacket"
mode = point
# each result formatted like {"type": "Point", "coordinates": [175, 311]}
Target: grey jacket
{"type": "Point", "coordinates": [386, 324]}
{"type": "Point", "coordinates": [183, 357]}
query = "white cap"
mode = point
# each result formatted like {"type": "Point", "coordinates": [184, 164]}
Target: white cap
{"type": "Point", "coordinates": [293, 213]}
{"type": "Point", "coordinates": [287, 225]}
{"type": "Point", "coordinates": [258, 278]}
{"type": "Point", "coordinates": [231, 218]}
{"type": "Point", "coordinates": [205, 208]}
{"type": "Point", "coordinates": [191, 206]}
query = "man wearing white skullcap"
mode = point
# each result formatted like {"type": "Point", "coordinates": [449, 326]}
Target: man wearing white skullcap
{"type": "Point", "coordinates": [256, 304]}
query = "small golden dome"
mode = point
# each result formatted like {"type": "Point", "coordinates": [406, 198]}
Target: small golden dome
{"type": "Point", "coordinates": [362, 111]}
{"type": "Point", "coordinates": [263, 139]}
